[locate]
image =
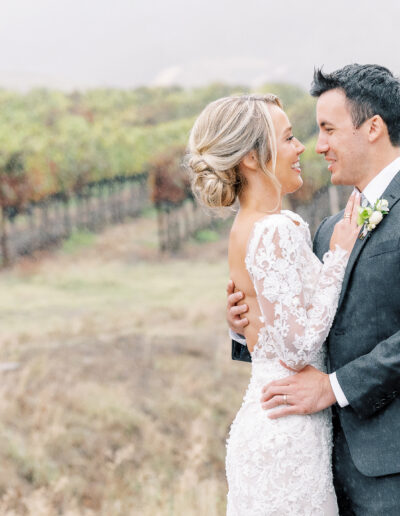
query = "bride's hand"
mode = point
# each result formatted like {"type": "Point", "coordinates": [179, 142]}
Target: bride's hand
{"type": "Point", "coordinates": [347, 230]}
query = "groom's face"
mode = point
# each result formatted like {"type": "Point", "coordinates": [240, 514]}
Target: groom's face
{"type": "Point", "coordinates": [343, 146]}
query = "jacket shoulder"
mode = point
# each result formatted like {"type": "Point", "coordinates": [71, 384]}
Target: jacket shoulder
{"type": "Point", "coordinates": [324, 232]}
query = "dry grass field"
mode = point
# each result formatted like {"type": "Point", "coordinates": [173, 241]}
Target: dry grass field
{"type": "Point", "coordinates": [117, 388]}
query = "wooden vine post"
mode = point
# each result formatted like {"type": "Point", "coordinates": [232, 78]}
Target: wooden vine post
{"type": "Point", "coordinates": [15, 190]}
{"type": "Point", "coordinates": [170, 187]}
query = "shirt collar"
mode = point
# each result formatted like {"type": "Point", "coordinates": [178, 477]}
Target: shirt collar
{"type": "Point", "coordinates": [379, 183]}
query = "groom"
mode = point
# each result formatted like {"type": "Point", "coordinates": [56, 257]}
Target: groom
{"type": "Point", "coordinates": [358, 113]}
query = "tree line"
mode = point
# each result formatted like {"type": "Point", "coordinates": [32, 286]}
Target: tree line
{"type": "Point", "coordinates": [56, 144]}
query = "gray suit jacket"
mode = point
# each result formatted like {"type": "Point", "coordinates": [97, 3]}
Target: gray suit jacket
{"type": "Point", "coordinates": [364, 342]}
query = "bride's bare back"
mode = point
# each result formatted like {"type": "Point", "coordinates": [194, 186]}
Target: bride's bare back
{"type": "Point", "coordinates": [238, 240]}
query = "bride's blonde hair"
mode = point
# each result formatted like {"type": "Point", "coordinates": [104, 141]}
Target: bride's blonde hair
{"type": "Point", "coordinates": [225, 131]}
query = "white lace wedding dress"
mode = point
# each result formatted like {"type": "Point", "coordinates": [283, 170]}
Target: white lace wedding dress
{"type": "Point", "coordinates": [283, 466]}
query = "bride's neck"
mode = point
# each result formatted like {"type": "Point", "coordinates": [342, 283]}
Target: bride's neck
{"type": "Point", "coordinates": [263, 200]}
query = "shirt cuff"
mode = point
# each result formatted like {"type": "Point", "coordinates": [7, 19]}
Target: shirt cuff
{"type": "Point", "coordinates": [337, 391]}
{"type": "Point", "coordinates": [237, 337]}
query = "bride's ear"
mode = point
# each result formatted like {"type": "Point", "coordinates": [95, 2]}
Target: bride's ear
{"type": "Point", "coordinates": [250, 161]}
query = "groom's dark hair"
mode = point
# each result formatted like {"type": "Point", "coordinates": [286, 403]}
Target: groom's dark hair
{"type": "Point", "coordinates": [370, 89]}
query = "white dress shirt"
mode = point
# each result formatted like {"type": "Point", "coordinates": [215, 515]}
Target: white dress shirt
{"type": "Point", "coordinates": [373, 191]}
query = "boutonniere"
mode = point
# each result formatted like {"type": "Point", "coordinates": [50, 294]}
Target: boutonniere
{"type": "Point", "coordinates": [369, 217]}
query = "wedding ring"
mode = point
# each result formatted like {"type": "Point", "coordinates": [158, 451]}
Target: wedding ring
{"type": "Point", "coordinates": [285, 399]}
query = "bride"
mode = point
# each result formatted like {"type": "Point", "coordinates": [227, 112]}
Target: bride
{"type": "Point", "coordinates": [243, 148]}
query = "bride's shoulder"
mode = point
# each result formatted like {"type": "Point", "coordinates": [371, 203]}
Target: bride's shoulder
{"type": "Point", "coordinates": [295, 217]}
{"type": "Point", "coordinates": [270, 231]}
{"type": "Point", "coordinates": [268, 225]}
{"type": "Point", "coordinates": [273, 221]}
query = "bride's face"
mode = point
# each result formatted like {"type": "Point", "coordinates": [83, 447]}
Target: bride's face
{"type": "Point", "coordinates": [287, 171]}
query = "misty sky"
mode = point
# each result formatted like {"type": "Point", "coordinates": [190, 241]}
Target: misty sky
{"type": "Point", "coordinates": [126, 43]}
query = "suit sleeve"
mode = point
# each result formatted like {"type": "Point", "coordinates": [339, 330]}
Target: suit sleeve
{"type": "Point", "coordinates": [372, 381]}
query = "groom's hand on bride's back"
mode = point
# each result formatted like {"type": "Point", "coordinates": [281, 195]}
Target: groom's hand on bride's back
{"type": "Point", "coordinates": [234, 313]}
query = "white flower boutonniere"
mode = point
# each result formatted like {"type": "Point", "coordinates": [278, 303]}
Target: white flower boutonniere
{"type": "Point", "coordinates": [369, 217]}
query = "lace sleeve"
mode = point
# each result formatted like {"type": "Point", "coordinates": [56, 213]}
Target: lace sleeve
{"type": "Point", "coordinates": [296, 322]}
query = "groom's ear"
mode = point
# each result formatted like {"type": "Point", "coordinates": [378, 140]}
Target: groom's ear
{"type": "Point", "coordinates": [376, 128]}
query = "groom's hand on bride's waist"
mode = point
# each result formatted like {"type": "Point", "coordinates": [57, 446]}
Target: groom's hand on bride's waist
{"type": "Point", "coordinates": [305, 392]}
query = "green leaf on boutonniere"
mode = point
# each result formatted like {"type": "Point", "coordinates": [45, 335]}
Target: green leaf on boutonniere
{"type": "Point", "coordinates": [363, 215]}
{"type": "Point", "coordinates": [369, 217]}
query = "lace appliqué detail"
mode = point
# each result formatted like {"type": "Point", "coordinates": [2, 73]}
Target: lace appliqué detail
{"type": "Point", "coordinates": [283, 466]}
{"type": "Point", "coordinates": [297, 295]}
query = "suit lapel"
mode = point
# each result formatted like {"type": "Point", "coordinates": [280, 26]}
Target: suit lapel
{"type": "Point", "coordinates": [358, 246]}
{"type": "Point", "coordinates": [392, 192]}
{"type": "Point", "coordinates": [392, 195]}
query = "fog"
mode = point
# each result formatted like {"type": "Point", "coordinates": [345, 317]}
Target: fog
{"type": "Point", "coordinates": [126, 43]}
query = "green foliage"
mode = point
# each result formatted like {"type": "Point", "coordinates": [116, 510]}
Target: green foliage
{"type": "Point", "coordinates": [149, 213]}
{"type": "Point", "coordinates": [206, 235]}
{"type": "Point", "coordinates": [15, 185]}
{"type": "Point", "coordinates": [315, 168]}
{"type": "Point", "coordinates": [68, 140]}
{"type": "Point", "coordinates": [314, 173]}
{"type": "Point", "coordinates": [78, 240]}
{"type": "Point", "coordinates": [302, 117]}
{"type": "Point", "coordinates": [288, 93]}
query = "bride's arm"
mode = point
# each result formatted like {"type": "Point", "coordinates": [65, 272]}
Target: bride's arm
{"type": "Point", "coordinates": [276, 264]}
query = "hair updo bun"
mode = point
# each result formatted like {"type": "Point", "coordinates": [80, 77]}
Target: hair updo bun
{"type": "Point", "coordinates": [225, 131]}
{"type": "Point", "coordinates": [213, 188]}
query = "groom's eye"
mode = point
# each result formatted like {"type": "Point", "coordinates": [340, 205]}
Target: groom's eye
{"type": "Point", "coordinates": [290, 138]}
